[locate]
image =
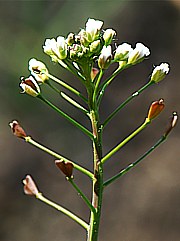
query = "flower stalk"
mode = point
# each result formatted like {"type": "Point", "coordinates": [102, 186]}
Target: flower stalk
{"type": "Point", "coordinates": [68, 87]}
{"type": "Point", "coordinates": [130, 98]}
{"type": "Point", "coordinates": [28, 139]}
{"type": "Point", "coordinates": [132, 165]}
{"type": "Point", "coordinates": [86, 200]}
{"type": "Point", "coordinates": [61, 209]}
{"type": "Point", "coordinates": [67, 117]}
{"type": "Point", "coordinates": [119, 146]}
{"type": "Point", "coordinates": [162, 139]}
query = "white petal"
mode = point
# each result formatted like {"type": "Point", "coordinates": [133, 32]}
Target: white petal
{"type": "Point", "coordinates": [142, 49]}
{"type": "Point", "coordinates": [123, 48]}
{"type": "Point", "coordinates": [93, 25]}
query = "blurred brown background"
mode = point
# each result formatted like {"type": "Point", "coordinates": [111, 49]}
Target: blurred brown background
{"type": "Point", "coordinates": [145, 204]}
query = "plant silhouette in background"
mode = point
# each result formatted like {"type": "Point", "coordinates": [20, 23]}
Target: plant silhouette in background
{"type": "Point", "coordinates": [87, 55]}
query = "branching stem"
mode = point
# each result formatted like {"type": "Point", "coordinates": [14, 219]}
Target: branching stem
{"type": "Point", "coordinates": [59, 157]}
{"type": "Point", "coordinates": [135, 94]}
{"type": "Point", "coordinates": [132, 165]}
{"type": "Point", "coordinates": [118, 147]}
{"type": "Point", "coordinates": [86, 200]}
{"type": "Point", "coordinates": [68, 87]}
{"type": "Point", "coordinates": [67, 117]}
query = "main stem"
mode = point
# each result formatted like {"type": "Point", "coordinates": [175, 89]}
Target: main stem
{"type": "Point", "coordinates": [97, 187]}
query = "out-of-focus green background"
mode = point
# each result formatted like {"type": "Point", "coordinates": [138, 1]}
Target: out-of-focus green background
{"type": "Point", "coordinates": [144, 204]}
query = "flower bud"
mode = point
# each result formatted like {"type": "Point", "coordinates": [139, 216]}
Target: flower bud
{"type": "Point", "coordinates": [65, 167]}
{"type": "Point", "coordinates": [76, 51]}
{"type": "Point", "coordinates": [172, 123]}
{"type": "Point", "coordinates": [83, 38]}
{"type": "Point", "coordinates": [38, 70]}
{"type": "Point", "coordinates": [62, 46]}
{"type": "Point", "coordinates": [93, 28]}
{"type": "Point", "coordinates": [17, 129]}
{"type": "Point", "coordinates": [155, 109]}
{"type": "Point", "coordinates": [95, 46]}
{"type": "Point", "coordinates": [160, 72]}
{"type": "Point", "coordinates": [105, 57]}
{"type": "Point", "coordinates": [70, 40]}
{"type": "Point", "coordinates": [138, 54]}
{"type": "Point", "coordinates": [108, 36]}
{"type": "Point", "coordinates": [30, 86]}
{"type": "Point", "coordinates": [122, 52]}
{"type": "Point", "coordinates": [30, 187]}
{"type": "Point", "coordinates": [94, 72]}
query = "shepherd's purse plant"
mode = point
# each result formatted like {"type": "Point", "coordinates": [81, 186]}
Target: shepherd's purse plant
{"type": "Point", "coordinates": [88, 55]}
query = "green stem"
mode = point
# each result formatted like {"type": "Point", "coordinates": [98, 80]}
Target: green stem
{"type": "Point", "coordinates": [65, 64]}
{"type": "Point", "coordinates": [67, 117]}
{"type": "Point", "coordinates": [108, 81]}
{"type": "Point", "coordinates": [71, 68]}
{"type": "Point", "coordinates": [74, 103]}
{"type": "Point", "coordinates": [28, 139]}
{"type": "Point", "coordinates": [135, 94]}
{"type": "Point", "coordinates": [101, 94]}
{"type": "Point", "coordinates": [67, 98]}
{"type": "Point", "coordinates": [86, 200]}
{"type": "Point", "coordinates": [97, 85]}
{"type": "Point", "coordinates": [114, 74]}
{"type": "Point", "coordinates": [105, 158]}
{"type": "Point", "coordinates": [130, 166]}
{"type": "Point", "coordinates": [97, 187]}
{"type": "Point", "coordinates": [53, 87]}
{"type": "Point", "coordinates": [68, 87]}
{"type": "Point", "coordinates": [63, 210]}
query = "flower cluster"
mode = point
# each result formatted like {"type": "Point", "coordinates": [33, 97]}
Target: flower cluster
{"type": "Point", "coordinates": [91, 47]}
{"type": "Point", "coordinates": [93, 43]}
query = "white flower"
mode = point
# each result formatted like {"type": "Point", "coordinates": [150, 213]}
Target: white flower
{"type": "Point", "coordinates": [56, 49]}
{"type": "Point", "coordinates": [138, 54]}
{"type": "Point", "coordinates": [30, 86]}
{"type": "Point", "coordinates": [38, 70]}
{"type": "Point", "coordinates": [105, 57]}
{"type": "Point", "coordinates": [122, 52]}
{"type": "Point", "coordinates": [160, 72]}
{"type": "Point", "coordinates": [92, 28]}
{"type": "Point", "coordinates": [108, 36]}
{"type": "Point", "coordinates": [62, 46]}
{"type": "Point", "coordinates": [51, 48]}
